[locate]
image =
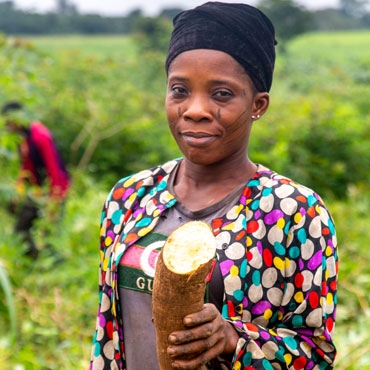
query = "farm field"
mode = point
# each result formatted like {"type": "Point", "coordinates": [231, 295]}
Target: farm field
{"type": "Point", "coordinates": [103, 97]}
{"type": "Point", "coordinates": [98, 46]}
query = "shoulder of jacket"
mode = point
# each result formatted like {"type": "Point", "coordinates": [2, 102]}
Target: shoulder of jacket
{"type": "Point", "coordinates": [146, 178]}
{"type": "Point", "coordinates": [284, 187]}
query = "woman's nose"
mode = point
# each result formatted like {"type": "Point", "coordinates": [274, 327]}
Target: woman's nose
{"type": "Point", "coordinates": [198, 108]}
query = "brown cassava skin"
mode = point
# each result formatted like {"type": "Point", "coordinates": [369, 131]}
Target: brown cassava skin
{"type": "Point", "coordinates": [174, 297]}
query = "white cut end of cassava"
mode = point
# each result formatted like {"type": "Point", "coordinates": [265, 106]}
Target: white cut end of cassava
{"type": "Point", "coordinates": [189, 246]}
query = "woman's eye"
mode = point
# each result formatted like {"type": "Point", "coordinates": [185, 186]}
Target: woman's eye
{"type": "Point", "coordinates": [223, 94]}
{"type": "Point", "coordinates": [178, 90]}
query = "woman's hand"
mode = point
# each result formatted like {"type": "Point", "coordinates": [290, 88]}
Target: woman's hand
{"type": "Point", "coordinates": [208, 335]}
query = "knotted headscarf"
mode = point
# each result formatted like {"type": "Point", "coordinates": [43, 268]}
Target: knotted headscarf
{"type": "Point", "coordinates": [240, 30]}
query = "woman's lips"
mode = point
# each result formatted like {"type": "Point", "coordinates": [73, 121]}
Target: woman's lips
{"type": "Point", "coordinates": [198, 138]}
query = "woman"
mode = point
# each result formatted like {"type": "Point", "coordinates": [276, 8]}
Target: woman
{"type": "Point", "coordinates": [272, 295]}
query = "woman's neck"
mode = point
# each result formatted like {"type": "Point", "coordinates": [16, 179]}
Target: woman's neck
{"type": "Point", "coordinates": [197, 186]}
{"type": "Point", "coordinates": [235, 172]}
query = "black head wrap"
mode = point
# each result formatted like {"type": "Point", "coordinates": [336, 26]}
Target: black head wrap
{"type": "Point", "coordinates": [239, 30]}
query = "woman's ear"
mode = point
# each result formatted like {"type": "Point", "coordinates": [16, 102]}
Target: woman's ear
{"type": "Point", "coordinates": [261, 103]}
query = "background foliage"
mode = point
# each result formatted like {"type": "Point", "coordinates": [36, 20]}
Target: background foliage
{"type": "Point", "coordinates": [104, 103]}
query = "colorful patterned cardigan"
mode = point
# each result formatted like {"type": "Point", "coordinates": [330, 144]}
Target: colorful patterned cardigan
{"type": "Point", "coordinates": [278, 259]}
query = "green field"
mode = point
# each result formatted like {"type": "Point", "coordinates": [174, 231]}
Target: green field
{"type": "Point", "coordinates": [97, 46]}
{"type": "Point", "coordinates": [323, 46]}
{"type": "Point", "coordinates": [333, 46]}
{"type": "Point", "coordinates": [103, 98]}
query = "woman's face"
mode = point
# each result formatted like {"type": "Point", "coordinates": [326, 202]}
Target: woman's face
{"type": "Point", "coordinates": [209, 105]}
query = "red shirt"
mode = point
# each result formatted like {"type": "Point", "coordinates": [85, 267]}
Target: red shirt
{"type": "Point", "coordinates": [42, 161]}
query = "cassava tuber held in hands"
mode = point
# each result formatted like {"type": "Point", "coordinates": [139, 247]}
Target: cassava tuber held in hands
{"type": "Point", "coordinates": [179, 283]}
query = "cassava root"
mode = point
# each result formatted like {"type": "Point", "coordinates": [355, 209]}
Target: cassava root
{"type": "Point", "coordinates": [179, 283]}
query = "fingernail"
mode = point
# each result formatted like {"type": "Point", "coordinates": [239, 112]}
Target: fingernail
{"type": "Point", "coordinates": [170, 351]}
{"type": "Point", "coordinates": [187, 321]}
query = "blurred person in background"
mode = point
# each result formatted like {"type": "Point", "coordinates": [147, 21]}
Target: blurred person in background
{"type": "Point", "coordinates": [43, 181]}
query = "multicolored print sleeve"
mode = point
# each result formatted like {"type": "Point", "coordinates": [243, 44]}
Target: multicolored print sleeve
{"type": "Point", "coordinates": [106, 350]}
{"type": "Point", "coordinates": [289, 304]}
